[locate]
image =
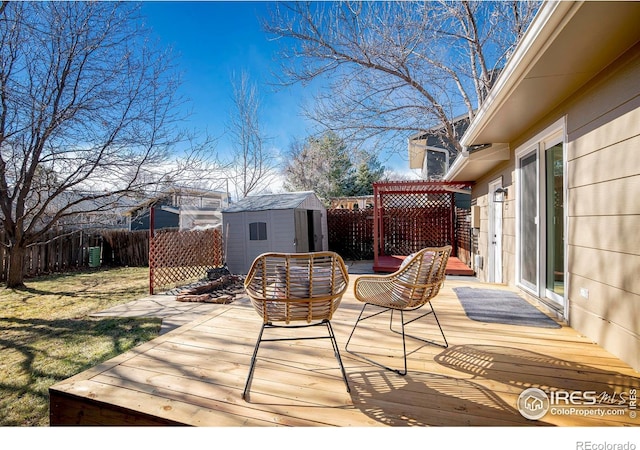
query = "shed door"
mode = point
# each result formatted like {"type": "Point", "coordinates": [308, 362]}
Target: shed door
{"type": "Point", "coordinates": [314, 219]}
{"type": "Point", "coordinates": [302, 231]}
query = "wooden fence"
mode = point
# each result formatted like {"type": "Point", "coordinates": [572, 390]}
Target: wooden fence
{"type": "Point", "coordinates": [173, 257]}
{"type": "Point", "coordinates": [68, 251]}
{"type": "Point", "coordinates": [408, 230]}
{"type": "Point", "coordinates": [56, 253]}
{"type": "Point", "coordinates": [177, 257]}
{"type": "Point", "coordinates": [125, 248]}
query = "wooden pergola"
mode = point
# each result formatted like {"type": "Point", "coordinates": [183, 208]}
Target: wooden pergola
{"type": "Point", "coordinates": [411, 215]}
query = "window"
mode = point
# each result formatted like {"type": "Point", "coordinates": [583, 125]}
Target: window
{"type": "Point", "coordinates": [258, 231]}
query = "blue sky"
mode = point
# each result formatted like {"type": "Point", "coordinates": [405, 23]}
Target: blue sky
{"type": "Point", "coordinates": [214, 39]}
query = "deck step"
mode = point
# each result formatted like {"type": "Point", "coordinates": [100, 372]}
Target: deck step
{"type": "Point", "coordinates": [390, 264]}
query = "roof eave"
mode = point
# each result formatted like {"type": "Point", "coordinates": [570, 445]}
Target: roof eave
{"type": "Point", "coordinates": [550, 19]}
{"type": "Point", "coordinates": [554, 59]}
{"type": "Point", "coordinates": [470, 164]}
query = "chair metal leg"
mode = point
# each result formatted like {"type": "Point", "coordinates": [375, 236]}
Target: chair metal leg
{"type": "Point", "coordinates": [446, 344]}
{"type": "Point", "coordinates": [426, 341]}
{"type": "Point", "coordinates": [253, 363]}
{"type": "Point", "coordinates": [336, 352]}
{"type": "Point", "coordinates": [331, 336]}
{"type": "Point", "coordinates": [360, 319]}
{"type": "Point", "coordinates": [402, 332]}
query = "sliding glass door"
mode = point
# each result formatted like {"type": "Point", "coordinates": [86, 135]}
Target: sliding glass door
{"type": "Point", "coordinates": [554, 187]}
{"type": "Point", "coordinates": [541, 218]}
{"type": "Point", "coordinates": [528, 229]}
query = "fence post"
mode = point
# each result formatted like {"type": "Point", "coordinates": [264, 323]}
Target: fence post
{"type": "Point", "coordinates": [151, 248]}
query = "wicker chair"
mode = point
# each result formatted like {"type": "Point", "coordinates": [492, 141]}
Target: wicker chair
{"type": "Point", "coordinates": [413, 286]}
{"type": "Point", "coordinates": [296, 290]}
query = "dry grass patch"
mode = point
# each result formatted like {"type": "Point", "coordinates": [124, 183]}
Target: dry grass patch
{"type": "Point", "coordinates": [46, 335]}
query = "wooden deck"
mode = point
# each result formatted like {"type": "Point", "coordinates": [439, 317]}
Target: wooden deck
{"type": "Point", "coordinates": [390, 264]}
{"type": "Point", "coordinates": [195, 374]}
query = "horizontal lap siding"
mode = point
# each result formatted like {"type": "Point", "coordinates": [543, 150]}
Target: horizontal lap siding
{"type": "Point", "coordinates": [603, 177]}
{"type": "Point", "coordinates": [506, 173]}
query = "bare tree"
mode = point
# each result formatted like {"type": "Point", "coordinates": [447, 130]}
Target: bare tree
{"type": "Point", "coordinates": [252, 167]}
{"type": "Point", "coordinates": [397, 68]}
{"type": "Point", "coordinates": [87, 115]}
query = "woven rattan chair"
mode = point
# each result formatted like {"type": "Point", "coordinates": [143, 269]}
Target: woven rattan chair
{"type": "Point", "coordinates": [296, 290]}
{"type": "Point", "coordinates": [410, 288]}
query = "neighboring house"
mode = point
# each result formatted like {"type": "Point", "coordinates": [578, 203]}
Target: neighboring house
{"type": "Point", "coordinates": [431, 151]}
{"type": "Point", "coordinates": [111, 220]}
{"type": "Point", "coordinates": [182, 209]}
{"type": "Point", "coordinates": [292, 222]}
{"type": "Point", "coordinates": [555, 156]}
{"type": "Point", "coordinates": [86, 213]}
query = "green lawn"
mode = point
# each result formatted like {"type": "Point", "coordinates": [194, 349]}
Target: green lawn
{"type": "Point", "coordinates": [46, 335]}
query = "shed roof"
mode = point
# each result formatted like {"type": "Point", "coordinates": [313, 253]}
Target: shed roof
{"type": "Point", "coordinates": [288, 200]}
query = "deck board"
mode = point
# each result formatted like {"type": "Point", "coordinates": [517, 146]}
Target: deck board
{"type": "Point", "coordinates": [194, 375]}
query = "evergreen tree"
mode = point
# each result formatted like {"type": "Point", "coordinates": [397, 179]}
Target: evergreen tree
{"type": "Point", "coordinates": [325, 165]}
{"type": "Point", "coordinates": [321, 164]}
{"type": "Point", "coordinates": [369, 171]}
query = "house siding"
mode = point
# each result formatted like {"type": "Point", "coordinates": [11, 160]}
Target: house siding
{"type": "Point", "coordinates": [480, 197]}
{"type": "Point", "coordinates": [602, 209]}
{"type": "Point", "coordinates": [603, 127]}
{"type": "Point", "coordinates": [186, 210]}
{"type": "Point", "coordinates": [161, 219]}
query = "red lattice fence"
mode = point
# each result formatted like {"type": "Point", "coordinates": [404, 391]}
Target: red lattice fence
{"type": "Point", "coordinates": [411, 215]}
{"type": "Point", "coordinates": [463, 235]}
{"type": "Point", "coordinates": [351, 233]}
{"type": "Point", "coordinates": [410, 229]}
{"type": "Point", "coordinates": [178, 257]}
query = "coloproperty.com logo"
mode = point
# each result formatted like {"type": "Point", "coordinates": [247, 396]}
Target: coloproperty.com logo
{"type": "Point", "coordinates": [534, 403]}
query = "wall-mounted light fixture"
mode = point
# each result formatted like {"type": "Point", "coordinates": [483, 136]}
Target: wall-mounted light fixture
{"type": "Point", "coordinates": [500, 195]}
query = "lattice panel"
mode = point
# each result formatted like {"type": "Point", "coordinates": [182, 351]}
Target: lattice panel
{"type": "Point", "coordinates": [464, 238]}
{"type": "Point", "coordinates": [181, 256]}
{"type": "Point", "coordinates": [411, 222]}
{"type": "Point", "coordinates": [351, 233]}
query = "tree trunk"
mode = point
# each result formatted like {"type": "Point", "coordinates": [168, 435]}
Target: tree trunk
{"type": "Point", "coordinates": [15, 278]}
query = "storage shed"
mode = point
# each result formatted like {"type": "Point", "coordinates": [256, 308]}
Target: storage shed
{"type": "Point", "coordinates": [292, 222]}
